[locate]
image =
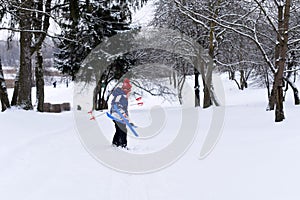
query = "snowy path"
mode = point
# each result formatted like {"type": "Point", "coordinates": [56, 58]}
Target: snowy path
{"type": "Point", "coordinates": [42, 157]}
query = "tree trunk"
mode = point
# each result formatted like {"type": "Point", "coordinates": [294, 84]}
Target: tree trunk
{"type": "Point", "coordinates": [3, 92]}
{"type": "Point", "coordinates": [295, 91]}
{"type": "Point", "coordinates": [207, 102]}
{"type": "Point", "coordinates": [196, 87]}
{"type": "Point", "coordinates": [267, 82]}
{"type": "Point", "coordinates": [279, 114]}
{"type": "Point", "coordinates": [243, 82]}
{"type": "Point", "coordinates": [280, 58]}
{"type": "Point", "coordinates": [200, 65]}
{"type": "Point", "coordinates": [96, 97]}
{"type": "Point", "coordinates": [39, 78]}
{"type": "Point", "coordinates": [279, 82]}
{"type": "Point", "coordinates": [290, 72]}
{"type": "Point", "coordinates": [181, 82]}
{"type": "Point", "coordinates": [39, 38]}
{"type": "Point", "coordinates": [207, 84]}
{"type": "Point", "coordinates": [175, 79]}
{"type": "Point", "coordinates": [231, 74]}
{"type": "Point", "coordinates": [104, 104]}
{"type": "Point", "coordinates": [208, 81]}
{"type": "Point", "coordinates": [16, 91]}
{"type": "Point", "coordinates": [25, 79]}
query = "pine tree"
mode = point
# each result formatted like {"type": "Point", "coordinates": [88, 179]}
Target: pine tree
{"type": "Point", "coordinates": [85, 25]}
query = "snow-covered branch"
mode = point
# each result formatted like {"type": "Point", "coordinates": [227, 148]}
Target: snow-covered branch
{"type": "Point", "coordinates": [187, 13]}
{"type": "Point", "coordinates": [293, 70]}
{"type": "Point", "coordinates": [232, 26]}
{"type": "Point", "coordinates": [295, 41]}
{"type": "Point", "coordinates": [37, 31]}
{"type": "Point", "coordinates": [267, 16]}
{"type": "Point", "coordinates": [238, 63]}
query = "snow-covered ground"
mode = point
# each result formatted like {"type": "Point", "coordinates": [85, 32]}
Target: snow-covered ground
{"type": "Point", "coordinates": [43, 157]}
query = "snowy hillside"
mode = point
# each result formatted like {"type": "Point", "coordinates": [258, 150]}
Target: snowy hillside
{"type": "Point", "coordinates": [43, 157]}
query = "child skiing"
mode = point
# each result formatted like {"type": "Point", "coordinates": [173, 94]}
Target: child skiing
{"type": "Point", "coordinates": [120, 100]}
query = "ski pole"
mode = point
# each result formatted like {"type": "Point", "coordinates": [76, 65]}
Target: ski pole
{"type": "Point", "coordinates": [139, 104]}
{"type": "Point", "coordinates": [95, 116]}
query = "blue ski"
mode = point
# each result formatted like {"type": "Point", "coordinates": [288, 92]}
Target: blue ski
{"type": "Point", "coordinates": [124, 120]}
{"type": "Point", "coordinates": [118, 120]}
{"type": "Point", "coordinates": [114, 118]}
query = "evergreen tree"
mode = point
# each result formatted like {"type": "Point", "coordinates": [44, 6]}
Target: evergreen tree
{"type": "Point", "coordinates": [84, 26]}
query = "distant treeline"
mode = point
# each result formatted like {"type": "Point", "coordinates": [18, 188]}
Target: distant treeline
{"type": "Point", "coordinates": [10, 53]}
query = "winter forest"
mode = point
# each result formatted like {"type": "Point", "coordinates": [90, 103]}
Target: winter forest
{"type": "Point", "coordinates": [250, 41]}
{"type": "Point", "coordinates": [212, 99]}
{"type": "Point", "coordinates": [255, 40]}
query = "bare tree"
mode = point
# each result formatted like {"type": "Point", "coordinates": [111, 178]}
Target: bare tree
{"type": "Point", "coordinates": [280, 58]}
{"type": "Point", "coordinates": [258, 23]}
{"type": "Point", "coordinates": [177, 15]}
